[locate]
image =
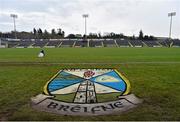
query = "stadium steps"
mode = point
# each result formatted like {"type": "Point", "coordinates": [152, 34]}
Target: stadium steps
{"type": "Point", "coordinates": [171, 44]}
{"type": "Point", "coordinates": [130, 44]}
{"type": "Point", "coordinates": [74, 44]}
{"type": "Point", "coordinates": [17, 45]}
{"type": "Point", "coordinates": [102, 44]}
{"type": "Point", "coordinates": [31, 45]}
{"type": "Point", "coordinates": [116, 43]}
{"type": "Point", "coordinates": [59, 45]}
{"type": "Point", "coordinates": [159, 44]}
{"type": "Point", "coordinates": [12, 46]}
{"type": "Point", "coordinates": [46, 44]}
{"type": "Point", "coordinates": [144, 44]}
{"type": "Point", "coordinates": [88, 43]}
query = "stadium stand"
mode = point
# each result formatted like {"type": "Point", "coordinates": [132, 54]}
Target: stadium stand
{"type": "Point", "coordinates": [67, 43]}
{"type": "Point", "coordinates": [165, 43]}
{"type": "Point", "coordinates": [151, 43]}
{"type": "Point", "coordinates": [40, 43]}
{"type": "Point", "coordinates": [95, 43]}
{"type": "Point", "coordinates": [122, 43]}
{"type": "Point", "coordinates": [3, 44]}
{"type": "Point", "coordinates": [176, 43]}
{"type": "Point", "coordinates": [136, 43]}
{"type": "Point", "coordinates": [109, 43]}
{"type": "Point", "coordinates": [53, 44]}
{"type": "Point", "coordinates": [81, 43]}
{"type": "Point", "coordinates": [24, 44]}
{"type": "Point", "coordinates": [12, 44]}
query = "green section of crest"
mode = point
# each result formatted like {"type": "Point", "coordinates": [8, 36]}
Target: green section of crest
{"type": "Point", "coordinates": [107, 97]}
{"type": "Point", "coordinates": [65, 97]}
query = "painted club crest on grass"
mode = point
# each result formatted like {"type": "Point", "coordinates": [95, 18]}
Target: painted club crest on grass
{"type": "Point", "coordinates": [86, 92]}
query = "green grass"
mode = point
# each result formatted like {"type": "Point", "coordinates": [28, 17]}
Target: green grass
{"type": "Point", "coordinates": [157, 83]}
{"type": "Point", "coordinates": [106, 55]}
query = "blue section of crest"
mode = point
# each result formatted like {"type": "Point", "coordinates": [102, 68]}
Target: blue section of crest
{"type": "Point", "coordinates": [64, 79]}
{"type": "Point", "coordinates": [116, 83]}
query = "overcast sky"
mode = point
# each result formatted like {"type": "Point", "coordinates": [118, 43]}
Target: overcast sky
{"type": "Point", "coordinates": [120, 16]}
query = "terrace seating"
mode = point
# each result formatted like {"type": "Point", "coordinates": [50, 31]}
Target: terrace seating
{"type": "Point", "coordinates": [165, 43]}
{"type": "Point", "coordinates": [53, 44]}
{"type": "Point", "coordinates": [81, 43]}
{"type": "Point", "coordinates": [151, 43]}
{"type": "Point", "coordinates": [2, 44]}
{"type": "Point", "coordinates": [122, 43]}
{"type": "Point", "coordinates": [176, 43]}
{"type": "Point", "coordinates": [12, 44]}
{"type": "Point", "coordinates": [136, 43]}
{"type": "Point", "coordinates": [109, 43]}
{"type": "Point", "coordinates": [95, 43]}
{"type": "Point", "coordinates": [24, 44]}
{"type": "Point", "coordinates": [67, 43]}
{"type": "Point", "coordinates": [39, 43]}
{"type": "Point", "coordinates": [26, 40]}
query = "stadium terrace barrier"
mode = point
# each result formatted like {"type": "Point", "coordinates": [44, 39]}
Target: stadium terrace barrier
{"type": "Point", "coordinates": [58, 43]}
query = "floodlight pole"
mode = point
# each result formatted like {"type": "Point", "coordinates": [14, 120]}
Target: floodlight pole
{"type": "Point", "coordinates": [171, 15]}
{"type": "Point", "coordinates": [14, 16]}
{"type": "Point", "coordinates": [85, 16]}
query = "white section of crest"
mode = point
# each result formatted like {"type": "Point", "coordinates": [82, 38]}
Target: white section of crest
{"type": "Point", "coordinates": [103, 89]}
{"type": "Point", "coordinates": [80, 72]}
{"type": "Point", "coordinates": [67, 90]}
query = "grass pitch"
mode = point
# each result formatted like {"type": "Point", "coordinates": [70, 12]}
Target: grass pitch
{"type": "Point", "coordinates": [153, 73]}
{"type": "Point", "coordinates": [91, 55]}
